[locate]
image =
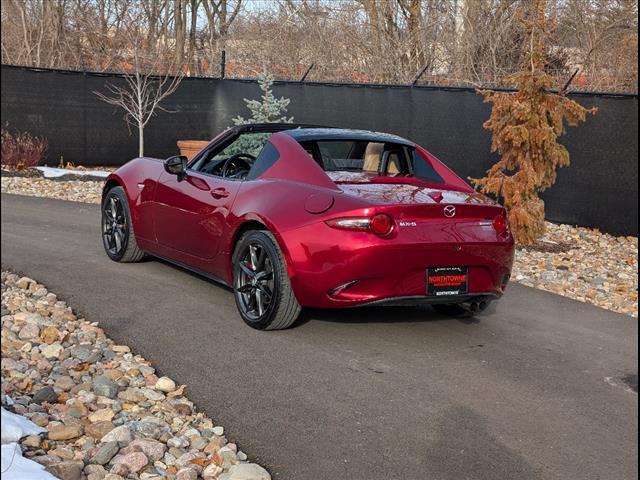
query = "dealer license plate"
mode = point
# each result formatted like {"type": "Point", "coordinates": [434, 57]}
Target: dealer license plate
{"type": "Point", "coordinates": [447, 281]}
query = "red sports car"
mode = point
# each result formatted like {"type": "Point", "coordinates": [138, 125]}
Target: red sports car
{"type": "Point", "coordinates": [295, 216]}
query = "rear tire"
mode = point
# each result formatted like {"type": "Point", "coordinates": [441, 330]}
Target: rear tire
{"type": "Point", "coordinates": [118, 237]}
{"type": "Point", "coordinates": [261, 284]}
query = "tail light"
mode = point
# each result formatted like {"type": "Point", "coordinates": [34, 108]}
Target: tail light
{"type": "Point", "coordinates": [501, 224]}
{"type": "Point", "coordinates": [381, 224]}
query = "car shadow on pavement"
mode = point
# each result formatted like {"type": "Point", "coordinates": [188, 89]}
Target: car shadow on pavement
{"type": "Point", "coordinates": [387, 314]}
{"type": "Point", "coordinates": [466, 446]}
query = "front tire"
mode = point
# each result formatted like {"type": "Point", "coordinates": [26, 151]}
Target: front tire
{"type": "Point", "coordinates": [118, 237]}
{"type": "Point", "coordinates": [261, 284]}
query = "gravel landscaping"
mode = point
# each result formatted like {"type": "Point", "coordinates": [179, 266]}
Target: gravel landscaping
{"type": "Point", "coordinates": [106, 412]}
{"type": "Point", "coordinates": [579, 263]}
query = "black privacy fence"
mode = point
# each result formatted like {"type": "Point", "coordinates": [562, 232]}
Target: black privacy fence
{"type": "Point", "coordinates": [600, 189]}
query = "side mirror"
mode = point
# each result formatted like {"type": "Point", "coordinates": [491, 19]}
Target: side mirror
{"type": "Point", "coordinates": [176, 165]}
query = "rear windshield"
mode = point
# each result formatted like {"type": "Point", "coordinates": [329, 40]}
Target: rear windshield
{"type": "Point", "coordinates": [360, 160]}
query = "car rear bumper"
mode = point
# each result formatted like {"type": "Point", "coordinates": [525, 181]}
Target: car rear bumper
{"type": "Point", "coordinates": [337, 269]}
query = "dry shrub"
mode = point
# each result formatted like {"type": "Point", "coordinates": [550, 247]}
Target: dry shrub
{"type": "Point", "coordinates": [21, 150]}
{"type": "Point", "coordinates": [525, 127]}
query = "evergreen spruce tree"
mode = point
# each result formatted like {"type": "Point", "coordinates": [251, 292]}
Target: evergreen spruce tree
{"type": "Point", "coordinates": [268, 109]}
{"type": "Point", "coordinates": [525, 126]}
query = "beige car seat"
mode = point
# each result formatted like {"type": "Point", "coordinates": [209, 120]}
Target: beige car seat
{"type": "Point", "coordinates": [393, 164]}
{"type": "Point", "coordinates": [372, 156]}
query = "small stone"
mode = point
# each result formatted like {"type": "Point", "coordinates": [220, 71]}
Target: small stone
{"type": "Point", "coordinates": [81, 353]}
{"type": "Point", "coordinates": [46, 394]}
{"type": "Point", "coordinates": [121, 434]}
{"type": "Point", "coordinates": [92, 468]}
{"type": "Point", "coordinates": [65, 432]}
{"type": "Point", "coordinates": [62, 452]}
{"type": "Point", "coordinates": [165, 384]}
{"type": "Point", "coordinates": [120, 348]}
{"type": "Point", "coordinates": [98, 430]}
{"type": "Point", "coordinates": [66, 470]}
{"type": "Point", "coordinates": [248, 471]}
{"type": "Point", "coordinates": [102, 415]}
{"type": "Point", "coordinates": [105, 453]}
{"type": "Point", "coordinates": [29, 332]}
{"type": "Point", "coordinates": [46, 460]}
{"type": "Point", "coordinates": [114, 476]}
{"type": "Point", "coordinates": [50, 335]}
{"type": "Point", "coordinates": [51, 351]}
{"type": "Point", "coordinates": [65, 383]}
{"type": "Point", "coordinates": [152, 395]}
{"type": "Point", "coordinates": [199, 443]}
{"type": "Point", "coordinates": [132, 395]}
{"type": "Point", "coordinates": [32, 441]}
{"type": "Point", "coordinates": [242, 456]}
{"type": "Point", "coordinates": [153, 449]}
{"type": "Point", "coordinates": [95, 472]}
{"type": "Point", "coordinates": [187, 473]}
{"type": "Point", "coordinates": [134, 462]}
{"type": "Point", "coordinates": [219, 431]}
{"type": "Point", "coordinates": [105, 387]}
{"type": "Point", "coordinates": [211, 471]}
{"type": "Point", "coordinates": [119, 469]}
{"type": "Point", "coordinates": [24, 283]}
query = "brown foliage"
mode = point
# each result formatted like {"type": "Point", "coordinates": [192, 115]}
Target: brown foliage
{"type": "Point", "coordinates": [525, 127]}
{"type": "Point", "coordinates": [21, 150]}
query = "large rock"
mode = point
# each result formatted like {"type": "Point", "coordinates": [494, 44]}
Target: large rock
{"type": "Point", "coordinates": [132, 395]}
{"type": "Point", "coordinates": [153, 449]}
{"type": "Point", "coordinates": [65, 383]}
{"type": "Point", "coordinates": [29, 332]}
{"type": "Point", "coordinates": [52, 351]}
{"type": "Point", "coordinates": [46, 394]}
{"type": "Point", "coordinates": [105, 387]}
{"type": "Point", "coordinates": [98, 430]}
{"type": "Point", "coordinates": [66, 470]}
{"type": "Point", "coordinates": [105, 453]}
{"type": "Point", "coordinates": [102, 415]}
{"type": "Point", "coordinates": [165, 384]}
{"type": "Point", "coordinates": [120, 434]}
{"type": "Point", "coordinates": [246, 471]}
{"type": "Point", "coordinates": [134, 462]}
{"type": "Point", "coordinates": [65, 432]}
{"type": "Point", "coordinates": [187, 473]}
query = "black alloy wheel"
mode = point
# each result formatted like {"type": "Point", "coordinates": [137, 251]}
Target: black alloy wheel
{"type": "Point", "coordinates": [118, 237]}
{"type": "Point", "coordinates": [261, 283]}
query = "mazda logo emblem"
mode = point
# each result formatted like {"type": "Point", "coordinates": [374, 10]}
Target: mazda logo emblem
{"type": "Point", "coordinates": [449, 211]}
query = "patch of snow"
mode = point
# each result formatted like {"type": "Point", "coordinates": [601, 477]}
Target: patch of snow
{"type": "Point", "coordinates": [14, 466]}
{"type": "Point", "coordinates": [14, 427]}
{"type": "Point", "coordinates": [51, 172]}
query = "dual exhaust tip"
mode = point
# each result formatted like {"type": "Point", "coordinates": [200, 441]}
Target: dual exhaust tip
{"type": "Point", "coordinates": [477, 306]}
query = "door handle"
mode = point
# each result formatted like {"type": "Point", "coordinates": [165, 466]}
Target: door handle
{"type": "Point", "coordinates": [219, 193]}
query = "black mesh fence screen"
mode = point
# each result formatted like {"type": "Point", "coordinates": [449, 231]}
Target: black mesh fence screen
{"type": "Point", "coordinates": [600, 189]}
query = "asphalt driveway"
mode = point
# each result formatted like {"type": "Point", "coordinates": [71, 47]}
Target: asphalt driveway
{"type": "Point", "coordinates": [536, 388]}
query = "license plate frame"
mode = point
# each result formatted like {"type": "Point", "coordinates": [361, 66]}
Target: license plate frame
{"type": "Point", "coordinates": [443, 282]}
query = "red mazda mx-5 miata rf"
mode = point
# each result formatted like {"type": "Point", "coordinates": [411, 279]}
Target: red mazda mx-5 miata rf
{"type": "Point", "coordinates": [295, 216]}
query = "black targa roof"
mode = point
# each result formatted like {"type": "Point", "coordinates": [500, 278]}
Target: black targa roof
{"type": "Point", "coordinates": [303, 134]}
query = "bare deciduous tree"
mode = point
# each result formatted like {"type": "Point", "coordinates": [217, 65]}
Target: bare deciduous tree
{"type": "Point", "coordinates": [143, 91]}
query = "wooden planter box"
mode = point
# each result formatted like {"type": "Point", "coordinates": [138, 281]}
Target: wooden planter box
{"type": "Point", "coordinates": [189, 148]}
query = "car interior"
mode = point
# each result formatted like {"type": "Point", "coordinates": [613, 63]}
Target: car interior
{"type": "Point", "coordinates": [341, 159]}
{"type": "Point", "coordinates": [234, 158]}
{"type": "Point", "coordinates": [372, 158]}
